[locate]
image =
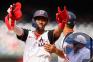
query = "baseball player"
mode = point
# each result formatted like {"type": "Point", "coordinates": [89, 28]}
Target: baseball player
{"type": "Point", "coordinates": [80, 52]}
{"type": "Point", "coordinates": [35, 40]}
{"type": "Point", "coordinates": [60, 45]}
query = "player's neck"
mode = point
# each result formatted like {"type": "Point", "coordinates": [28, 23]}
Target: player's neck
{"type": "Point", "coordinates": [40, 31]}
{"type": "Point", "coordinates": [66, 32]}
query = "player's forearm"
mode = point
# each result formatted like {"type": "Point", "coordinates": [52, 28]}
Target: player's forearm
{"type": "Point", "coordinates": [57, 32]}
{"type": "Point", "coordinates": [60, 53]}
{"type": "Point", "coordinates": [59, 29]}
{"type": "Point", "coordinates": [18, 31]}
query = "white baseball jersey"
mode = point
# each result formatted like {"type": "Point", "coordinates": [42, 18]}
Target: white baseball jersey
{"type": "Point", "coordinates": [60, 44]}
{"type": "Point", "coordinates": [34, 50]}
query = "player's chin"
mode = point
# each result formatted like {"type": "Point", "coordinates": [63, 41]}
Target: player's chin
{"type": "Point", "coordinates": [41, 27]}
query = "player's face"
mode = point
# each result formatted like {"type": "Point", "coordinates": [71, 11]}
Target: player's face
{"type": "Point", "coordinates": [41, 22]}
{"type": "Point", "coordinates": [77, 46]}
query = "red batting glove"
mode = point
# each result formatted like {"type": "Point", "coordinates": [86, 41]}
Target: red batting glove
{"type": "Point", "coordinates": [17, 11]}
{"type": "Point", "coordinates": [9, 23]}
{"type": "Point", "coordinates": [14, 13]}
{"type": "Point", "coordinates": [62, 17]}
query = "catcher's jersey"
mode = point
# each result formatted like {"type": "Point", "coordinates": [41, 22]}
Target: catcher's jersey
{"type": "Point", "coordinates": [34, 50]}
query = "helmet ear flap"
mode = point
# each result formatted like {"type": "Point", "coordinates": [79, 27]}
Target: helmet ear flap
{"type": "Point", "coordinates": [34, 23]}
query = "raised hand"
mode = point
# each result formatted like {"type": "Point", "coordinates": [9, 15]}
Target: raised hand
{"type": "Point", "coordinates": [14, 14]}
{"type": "Point", "coordinates": [62, 15]}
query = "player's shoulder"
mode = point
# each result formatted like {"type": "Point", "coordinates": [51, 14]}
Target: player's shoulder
{"type": "Point", "coordinates": [46, 31]}
{"type": "Point", "coordinates": [46, 34]}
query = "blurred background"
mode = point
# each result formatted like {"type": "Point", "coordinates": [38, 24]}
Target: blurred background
{"type": "Point", "coordinates": [11, 49]}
